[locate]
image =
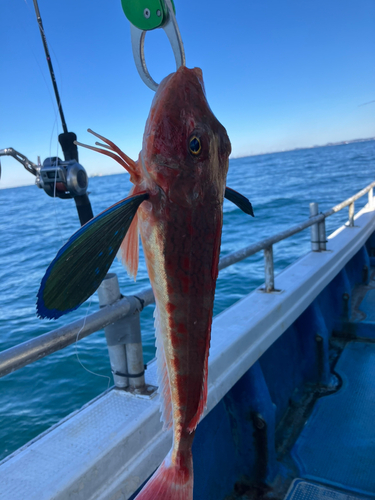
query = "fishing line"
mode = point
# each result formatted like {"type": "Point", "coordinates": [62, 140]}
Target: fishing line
{"type": "Point", "coordinates": [47, 84]}
{"type": "Point", "coordinates": [62, 239]}
{"type": "Point", "coordinates": [55, 122]}
{"type": "Point", "coordinates": [76, 350]}
{"type": "Point", "coordinates": [366, 103]}
{"type": "Point", "coordinates": [41, 72]}
{"type": "Point", "coordinates": [50, 47]}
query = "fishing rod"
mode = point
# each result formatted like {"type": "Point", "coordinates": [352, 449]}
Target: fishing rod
{"type": "Point", "coordinates": [49, 62]}
{"type": "Point", "coordinates": [70, 167]}
{"type": "Point", "coordinates": [64, 179]}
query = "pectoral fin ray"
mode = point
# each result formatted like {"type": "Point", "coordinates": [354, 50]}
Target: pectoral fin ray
{"type": "Point", "coordinates": [82, 263]}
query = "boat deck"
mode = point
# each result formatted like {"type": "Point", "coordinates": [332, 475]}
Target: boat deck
{"type": "Point", "coordinates": [335, 452]}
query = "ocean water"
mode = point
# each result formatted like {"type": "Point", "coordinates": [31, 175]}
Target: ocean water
{"type": "Point", "coordinates": [33, 227]}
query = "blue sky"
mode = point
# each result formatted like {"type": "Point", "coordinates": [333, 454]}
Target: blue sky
{"type": "Point", "coordinates": [278, 75]}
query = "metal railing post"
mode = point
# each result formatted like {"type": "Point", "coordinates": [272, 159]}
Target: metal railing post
{"type": "Point", "coordinates": [322, 235]}
{"type": "Point", "coordinates": [123, 338]}
{"type": "Point", "coordinates": [269, 270]}
{"type": "Point", "coordinates": [134, 352]}
{"type": "Point", "coordinates": [351, 214]}
{"type": "Point", "coordinates": [109, 293]}
{"type": "Point", "coordinates": [370, 198]}
{"type": "Point", "coordinates": [315, 239]}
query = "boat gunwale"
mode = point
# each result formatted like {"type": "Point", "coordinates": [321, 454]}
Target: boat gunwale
{"type": "Point", "coordinates": [23, 354]}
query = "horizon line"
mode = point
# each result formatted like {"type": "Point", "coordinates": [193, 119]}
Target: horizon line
{"type": "Point", "coordinates": [328, 144]}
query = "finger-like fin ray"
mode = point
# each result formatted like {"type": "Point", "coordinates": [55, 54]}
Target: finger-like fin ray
{"type": "Point", "coordinates": [116, 149]}
{"type": "Point", "coordinates": [115, 153]}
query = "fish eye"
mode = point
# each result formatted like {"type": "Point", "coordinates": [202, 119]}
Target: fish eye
{"type": "Point", "coordinates": [195, 145]}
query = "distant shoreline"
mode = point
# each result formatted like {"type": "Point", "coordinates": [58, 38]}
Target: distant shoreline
{"type": "Point", "coordinates": [329, 144]}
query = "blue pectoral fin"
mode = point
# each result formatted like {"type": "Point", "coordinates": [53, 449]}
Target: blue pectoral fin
{"type": "Point", "coordinates": [239, 200]}
{"type": "Point", "coordinates": [82, 263]}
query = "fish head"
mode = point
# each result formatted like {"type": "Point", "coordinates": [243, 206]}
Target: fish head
{"type": "Point", "coordinates": [185, 148]}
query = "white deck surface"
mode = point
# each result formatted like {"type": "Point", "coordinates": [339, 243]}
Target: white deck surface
{"type": "Point", "coordinates": [111, 446]}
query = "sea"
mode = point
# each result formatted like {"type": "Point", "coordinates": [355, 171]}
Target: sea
{"type": "Point", "coordinates": [33, 226]}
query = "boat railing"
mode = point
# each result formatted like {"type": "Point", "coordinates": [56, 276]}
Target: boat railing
{"type": "Point", "coordinates": [120, 316]}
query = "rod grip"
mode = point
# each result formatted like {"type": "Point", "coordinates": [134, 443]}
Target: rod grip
{"type": "Point", "coordinates": [70, 150]}
{"type": "Point", "coordinates": [83, 208]}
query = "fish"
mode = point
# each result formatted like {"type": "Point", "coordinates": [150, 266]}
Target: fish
{"type": "Point", "coordinates": [176, 205]}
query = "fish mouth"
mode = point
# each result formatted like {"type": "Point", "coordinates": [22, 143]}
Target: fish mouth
{"type": "Point", "coordinates": [175, 88]}
{"type": "Point", "coordinates": [180, 75]}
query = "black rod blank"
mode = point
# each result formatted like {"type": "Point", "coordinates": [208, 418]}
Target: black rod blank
{"type": "Point", "coordinates": [44, 39]}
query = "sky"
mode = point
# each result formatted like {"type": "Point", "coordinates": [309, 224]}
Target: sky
{"type": "Point", "coordinates": [278, 74]}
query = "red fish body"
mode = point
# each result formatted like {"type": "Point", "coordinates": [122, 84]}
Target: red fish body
{"type": "Point", "coordinates": [176, 205]}
{"type": "Point", "coordinates": [185, 155]}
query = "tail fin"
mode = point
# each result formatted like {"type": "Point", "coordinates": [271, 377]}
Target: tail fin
{"type": "Point", "coordinates": [172, 480]}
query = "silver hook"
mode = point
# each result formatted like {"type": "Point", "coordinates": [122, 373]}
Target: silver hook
{"type": "Point", "coordinates": [138, 42]}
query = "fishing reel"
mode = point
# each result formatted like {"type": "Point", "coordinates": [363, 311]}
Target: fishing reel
{"type": "Point", "coordinates": [64, 179]}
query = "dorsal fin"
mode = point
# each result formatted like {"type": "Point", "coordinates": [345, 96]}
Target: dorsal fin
{"type": "Point", "coordinates": [163, 377]}
{"type": "Point", "coordinates": [203, 399]}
